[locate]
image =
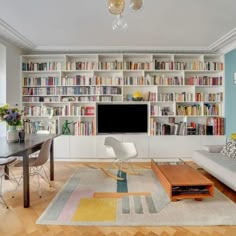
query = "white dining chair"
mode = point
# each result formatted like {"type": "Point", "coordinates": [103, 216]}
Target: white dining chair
{"type": "Point", "coordinates": [36, 165]}
{"type": "Point", "coordinates": [3, 163]}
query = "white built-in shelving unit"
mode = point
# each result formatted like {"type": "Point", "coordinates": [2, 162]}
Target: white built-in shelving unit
{"type": "Point", "coordinates": [184, 93]}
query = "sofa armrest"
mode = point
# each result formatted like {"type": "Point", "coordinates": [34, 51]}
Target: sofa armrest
{"type": "Point", "coordinates": [213, 148]}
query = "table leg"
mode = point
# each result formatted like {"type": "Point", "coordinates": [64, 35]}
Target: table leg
{"type": "Point", "coordinates": [26, 187]}
{"type": "Point", "coordinates": [52, 162]}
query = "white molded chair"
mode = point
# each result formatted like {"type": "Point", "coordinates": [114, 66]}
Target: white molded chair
{"type": "Point", "coordinates": [5, 162]}
{"type": "Point", "coordinates": [122, 151]}
{"type": "Point", "coordinates": [35, 154]}
{"type": "Point", "coordinates": [36, 164]}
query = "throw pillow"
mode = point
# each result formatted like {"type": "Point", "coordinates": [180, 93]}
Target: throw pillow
{"type": "Point", "coordinates": [230, 149]}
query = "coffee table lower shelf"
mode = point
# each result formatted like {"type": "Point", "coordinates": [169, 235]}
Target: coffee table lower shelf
{"type": "Point", "coordinates": [182, 182]}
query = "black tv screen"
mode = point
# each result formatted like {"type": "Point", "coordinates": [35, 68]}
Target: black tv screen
{"type": "Point", "coordinates": [122, 118]}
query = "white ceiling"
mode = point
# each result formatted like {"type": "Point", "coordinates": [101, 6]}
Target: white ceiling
{"type": "Point", "coordinates": [162, 25]}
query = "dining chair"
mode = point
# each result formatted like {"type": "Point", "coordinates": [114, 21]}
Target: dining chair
{"type": "Point", "coordinates": [36, 165]}
{"type": "Point", "coordinates": [5, 162]}
{"type": "Point", "coordinates": [44, 131]}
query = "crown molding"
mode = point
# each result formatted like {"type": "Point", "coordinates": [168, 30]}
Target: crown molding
{"type": "Point", "coordinates": [8, 34]}
{"type": "Point", "coordinates": [121, 49]}
{"type": "Point", "coordinates": [225, 43]}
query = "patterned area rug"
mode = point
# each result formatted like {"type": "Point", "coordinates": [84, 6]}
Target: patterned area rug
{"type": "Point", "coordinates": [91, 198]}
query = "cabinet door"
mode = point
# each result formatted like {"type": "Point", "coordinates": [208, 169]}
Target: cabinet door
{"type": "Point", "coordinates": [61, 147]}
{"type": "Point", "coordinates": [141, 143]}
{"type": "Point", "coordinates": [173, 146]}
{"type": "Point", "coordinates": [82, 147]}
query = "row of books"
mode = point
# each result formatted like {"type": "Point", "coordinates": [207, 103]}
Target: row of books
{"type": "Point", "coordinates": [40, 99]}
{"type": "Point", "coordinates": [78, 80]}
{"type": "Point", "coordinates": [165, 80]}
{"type": "Point", "coordinates": [41, 81]}
{"type": "Point", "coordinates": [157, 110]}
{"type": "Point", "coordinates": [46, 111]}
{"type": "Point", "coordinates": [133, 65]}
{"type": "Point", "coordinates": [214, 65]}
{"type": "Point", "coordinates": [88, 90]}
{"type": "Point", "coordinates": [42, 66]}
{"type": "Point", "coordinates": [181, 128]}
{"type": "Point", "coordinates": [203, 80]}
{"type": "Point", "coordinates": [183, 97]}
{"type": "Point", "coordinates": [163, 65]}
{"type": "Point", "coordinates": [135, 80]}
{"type": "Point", "coordinates": [212, 109]}
{"type": "Point", "coordinates": [199, 65]}
{"type": "Point", "coordinates": [116, 80]}
{"type": "Point", "coordinates": [110, 65]}
{"type": "Point", "coordinates": [192, 65]}
{"type": "Point", "coordinates": [217, 124]}
{"type": "Point", "coordinates": [108, 80]}
{"type": "Point", "coordinates": [82, 110]}
{"type": "Point", "coordinates": [32, 126]}
{"type": "Point", "coordinates": [209, 97]}
{"type": "Point", "coordinates": [85, 128]}
{"type": "Point", "coordinates": [128, 65]}
{"type": "Point", "coordinates": [188, 110]}
{"type": "Point", "coordinates": [39, 91]}
{"type": "Point", "coordinates": [160, 128]}
{"type": "Point", "coordinates": [81, 65]}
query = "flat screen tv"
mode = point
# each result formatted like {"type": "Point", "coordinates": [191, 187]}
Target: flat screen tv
{"type": "Point", "coordinates": [122, 118]}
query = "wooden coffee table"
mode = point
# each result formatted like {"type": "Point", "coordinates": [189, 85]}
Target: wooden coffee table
{"type": "Point", "coordinates": [181, 181]}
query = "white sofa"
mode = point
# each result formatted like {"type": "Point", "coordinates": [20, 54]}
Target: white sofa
{"type": "Point", "coordinates": [220, 166]}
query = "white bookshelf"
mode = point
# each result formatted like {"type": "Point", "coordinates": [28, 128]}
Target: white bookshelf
{"type": "Point", "coordinates": [182, 91]}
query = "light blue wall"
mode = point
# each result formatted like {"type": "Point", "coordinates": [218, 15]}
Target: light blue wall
{"type": "Point", "coordinates": [230, 92]}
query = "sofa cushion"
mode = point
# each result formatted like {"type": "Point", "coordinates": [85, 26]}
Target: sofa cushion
{"type": "Point", "coordinates": [230, 149]}
{"type": "Point", "coordinates": [213, 148]}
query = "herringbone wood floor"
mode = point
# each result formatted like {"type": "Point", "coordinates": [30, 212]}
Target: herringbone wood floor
{"type": "Point", "coordinates": [20, 221]}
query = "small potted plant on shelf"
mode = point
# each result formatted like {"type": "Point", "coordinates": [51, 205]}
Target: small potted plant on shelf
{"type": "Point", "coordinates": [12, 116]}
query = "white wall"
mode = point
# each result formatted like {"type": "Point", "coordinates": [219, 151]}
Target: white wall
{"type": "Point", "coordinates": [2, 84]}
{"type": "Point", "coordinates": [2, 74]}
{"type": "Point", "coordinates": [12, 76]}
{"type": "Point", "coordinates": [9, 77]}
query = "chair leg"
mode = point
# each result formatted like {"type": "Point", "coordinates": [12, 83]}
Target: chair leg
{"type": "Point", "coordinates": [39, 187]}
{"type": "Point", "coordinates": [3, 201]}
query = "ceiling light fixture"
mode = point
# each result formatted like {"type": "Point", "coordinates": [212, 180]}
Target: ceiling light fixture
{"type": "Point", "coordinates": [117, 7]}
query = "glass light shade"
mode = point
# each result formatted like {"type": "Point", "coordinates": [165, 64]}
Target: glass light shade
{"type": "Point", "coordinates": [136, 5]}
{"type": "Point", "coordinates": [116, 7]}
{"type": "Point", "coordinates": [119, 23]}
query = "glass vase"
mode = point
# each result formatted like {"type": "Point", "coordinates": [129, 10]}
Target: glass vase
{"type": "Point", "coordinates": [12, 134]}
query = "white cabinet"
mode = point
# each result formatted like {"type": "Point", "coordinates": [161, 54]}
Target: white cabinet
{"type": "Point", "coordinates": [82, 147]}
{"type": "Point", "coordinates": [61, 147]}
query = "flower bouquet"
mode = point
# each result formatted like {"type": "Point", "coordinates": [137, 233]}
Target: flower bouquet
{"type": "Point", "coordinates": [12, 116]}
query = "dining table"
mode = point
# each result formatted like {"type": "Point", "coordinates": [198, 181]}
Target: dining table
{"type": "Point", "coordinates": [23, 149]}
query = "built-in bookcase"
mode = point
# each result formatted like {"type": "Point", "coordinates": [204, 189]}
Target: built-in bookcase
{"type": "Point", "coordinates": [184, 92]}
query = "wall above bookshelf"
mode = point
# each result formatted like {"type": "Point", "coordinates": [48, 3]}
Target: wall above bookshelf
{"type": "Point", "coordinates": [184, 92]}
